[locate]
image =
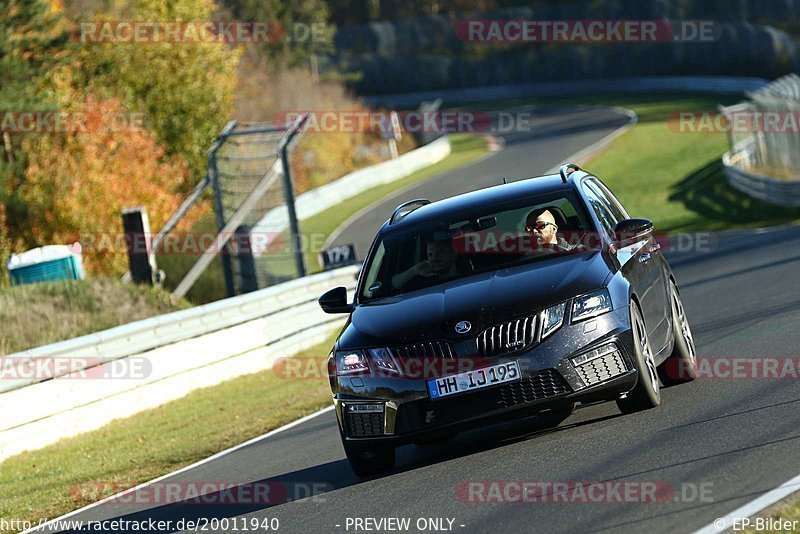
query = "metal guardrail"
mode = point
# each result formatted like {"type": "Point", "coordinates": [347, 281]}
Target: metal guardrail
{"type": "Point", "coordinates": [763, 135]}
{"type": "Point", "coordinates": [148, 334]}
{"type": "Point", "coordinates": [784, 193]}
{"type": "Point", "coordinates": [170, 356]}
{"type": "Point", "coordinates": [649, 84]}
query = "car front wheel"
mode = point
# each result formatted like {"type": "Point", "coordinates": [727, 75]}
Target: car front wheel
{"type": "Point", "coordinates": [647, 393]}
{"type": "Point", "coordinates": [681, 366]}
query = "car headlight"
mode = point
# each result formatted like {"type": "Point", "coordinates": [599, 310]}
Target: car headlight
{"type": "Point", "coordinates": [591, 305]}
{"type": "Point", "coordinates": [552, 318]}
{"type": "Point", "coordinates": [384, 360]}
{"type": "Point", "coordinates": [350, 362]}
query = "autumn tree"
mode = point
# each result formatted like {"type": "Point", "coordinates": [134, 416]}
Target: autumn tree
{"type": "Point", "coordinates": [78, 182]}
{"type": "Point", "coordinates": [184, 89]}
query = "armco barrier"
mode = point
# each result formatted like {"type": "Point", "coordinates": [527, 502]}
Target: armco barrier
{"type": "Point", "coordinates": [647, 84]}
{"type": "Point", "coordinates": [185, 350]}
{"type": "Point", "coordinates": [784, 193]}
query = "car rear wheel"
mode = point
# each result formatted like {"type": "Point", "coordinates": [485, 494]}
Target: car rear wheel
{"type": "Point", "coordinates": [647, 393]}
{"type": "Point", "coordinates": [369, 460]}
{"type": "Point", "coordinates": [681, 366]}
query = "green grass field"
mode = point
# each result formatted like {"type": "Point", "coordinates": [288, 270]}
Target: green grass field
{"type": "Point", "coordinates": [32, 315]}
{"type": "Point", "coordinates": [675, 178]}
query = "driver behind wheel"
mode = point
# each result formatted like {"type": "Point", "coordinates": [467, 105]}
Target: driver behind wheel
{"type": "Point", "coordinates": [541, 226]}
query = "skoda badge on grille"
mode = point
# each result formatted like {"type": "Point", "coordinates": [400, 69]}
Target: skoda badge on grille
{"type": "Point", "coordinates": [463, 327]}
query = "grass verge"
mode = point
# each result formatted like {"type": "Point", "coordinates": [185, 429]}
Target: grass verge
{"type": "Point", "coordinates": [32, 315]}
{"type": "Point", "coordinates": [788, 510]}
{"type": "Point", "coordinates": [130, 451]}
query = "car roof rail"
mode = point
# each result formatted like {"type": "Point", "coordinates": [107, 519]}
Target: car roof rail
{"type": "Point", "coordinates": [418, 201]}
{"type": "Point", "coordinates": [566, 170]}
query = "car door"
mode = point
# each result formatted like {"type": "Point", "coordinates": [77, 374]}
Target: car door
{"type": "Point", "coordinates": [635, 260]}
{"type": "Point", "coordinates": [659, 269]}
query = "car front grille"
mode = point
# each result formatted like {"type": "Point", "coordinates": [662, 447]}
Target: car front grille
{"type": "Point", "coordinates": [602, 368]}
{"type": "Point", "coordinates": [508, 337]}
{"type": "Point", "coordinates": [427, 413]}
{"type": "Point", "coordinates": [364, 424]}
{"type": "Point", "coordinates": [547, 383]}
{"type": "Point", "coordinates": [427, 349]}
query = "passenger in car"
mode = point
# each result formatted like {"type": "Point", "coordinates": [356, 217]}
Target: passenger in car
{"type": "Point", "coordinates": [442, 264]}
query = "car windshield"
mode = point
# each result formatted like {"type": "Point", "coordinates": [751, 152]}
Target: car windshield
{"type": "Point", "coordinates": [422, 256]}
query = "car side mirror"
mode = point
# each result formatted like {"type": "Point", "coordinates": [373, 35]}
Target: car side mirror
{"type": "Point", "coordinates": [335, 301]}
{"type": "Point", "coordinates": [630, 231]}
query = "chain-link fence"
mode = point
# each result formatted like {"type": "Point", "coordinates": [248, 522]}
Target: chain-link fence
{"type": "Point", "coordinates": [764, 132]}
{"type": "Point", "coordinates": [266, 247]}
{"type": "Point", "coordinates": [258, 238]}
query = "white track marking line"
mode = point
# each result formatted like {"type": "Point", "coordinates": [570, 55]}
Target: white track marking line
{"type": "Point", "coordinates": [725, 522]}
{"type": "Point", "coordinates": [187, 468]}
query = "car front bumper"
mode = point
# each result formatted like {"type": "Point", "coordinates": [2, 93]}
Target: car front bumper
{"type": "Point", "coordinates": [395, 410]}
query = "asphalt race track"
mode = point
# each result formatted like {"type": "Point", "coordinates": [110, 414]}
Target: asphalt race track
{"type": "Point", "coordinates": [715, 443]}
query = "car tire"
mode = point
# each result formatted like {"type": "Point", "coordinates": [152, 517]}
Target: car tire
{"type": "Point", "coordinates": [681, 366]}
{"type": "Point", "coordinates": [647, 392]}
{"type": "Point", "coordinates": [366, 461]}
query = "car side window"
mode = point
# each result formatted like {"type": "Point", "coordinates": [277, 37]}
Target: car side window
{"type": "Point", "coordinates": [616, 206]}
{"type": "Point", "coordinates": [601, 207]}
{"type": "Point", "coordinates": [372, 274]}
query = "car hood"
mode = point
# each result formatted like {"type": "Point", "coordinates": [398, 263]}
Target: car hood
{"type": "Point", "coordinates": [482, 299]}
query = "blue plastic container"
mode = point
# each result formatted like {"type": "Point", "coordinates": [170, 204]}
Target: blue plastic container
{"type": "Point", "coordinates": [46, 264]}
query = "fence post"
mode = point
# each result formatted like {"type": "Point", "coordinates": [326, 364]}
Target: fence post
{"type": "Point", "coordinates": [244, 254]}
{"type": "Point", "coordinates": [141, 258]}
{"type": "Point", "coordinates": [288, 193]}
{"type": "Point", "coordinates": [225, 256]}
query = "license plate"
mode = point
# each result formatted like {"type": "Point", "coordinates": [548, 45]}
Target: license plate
{"type": "Point", "coordinates": [473, 380]}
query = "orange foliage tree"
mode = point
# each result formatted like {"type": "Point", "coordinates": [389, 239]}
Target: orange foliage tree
{"type": "Point", "coordinates": [77, 182]}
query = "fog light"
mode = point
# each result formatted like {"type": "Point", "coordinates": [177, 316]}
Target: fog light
{"type": "Point", "coordinates": [365, 408]}
{"type": "Point", "coordinates": [599, 352]}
